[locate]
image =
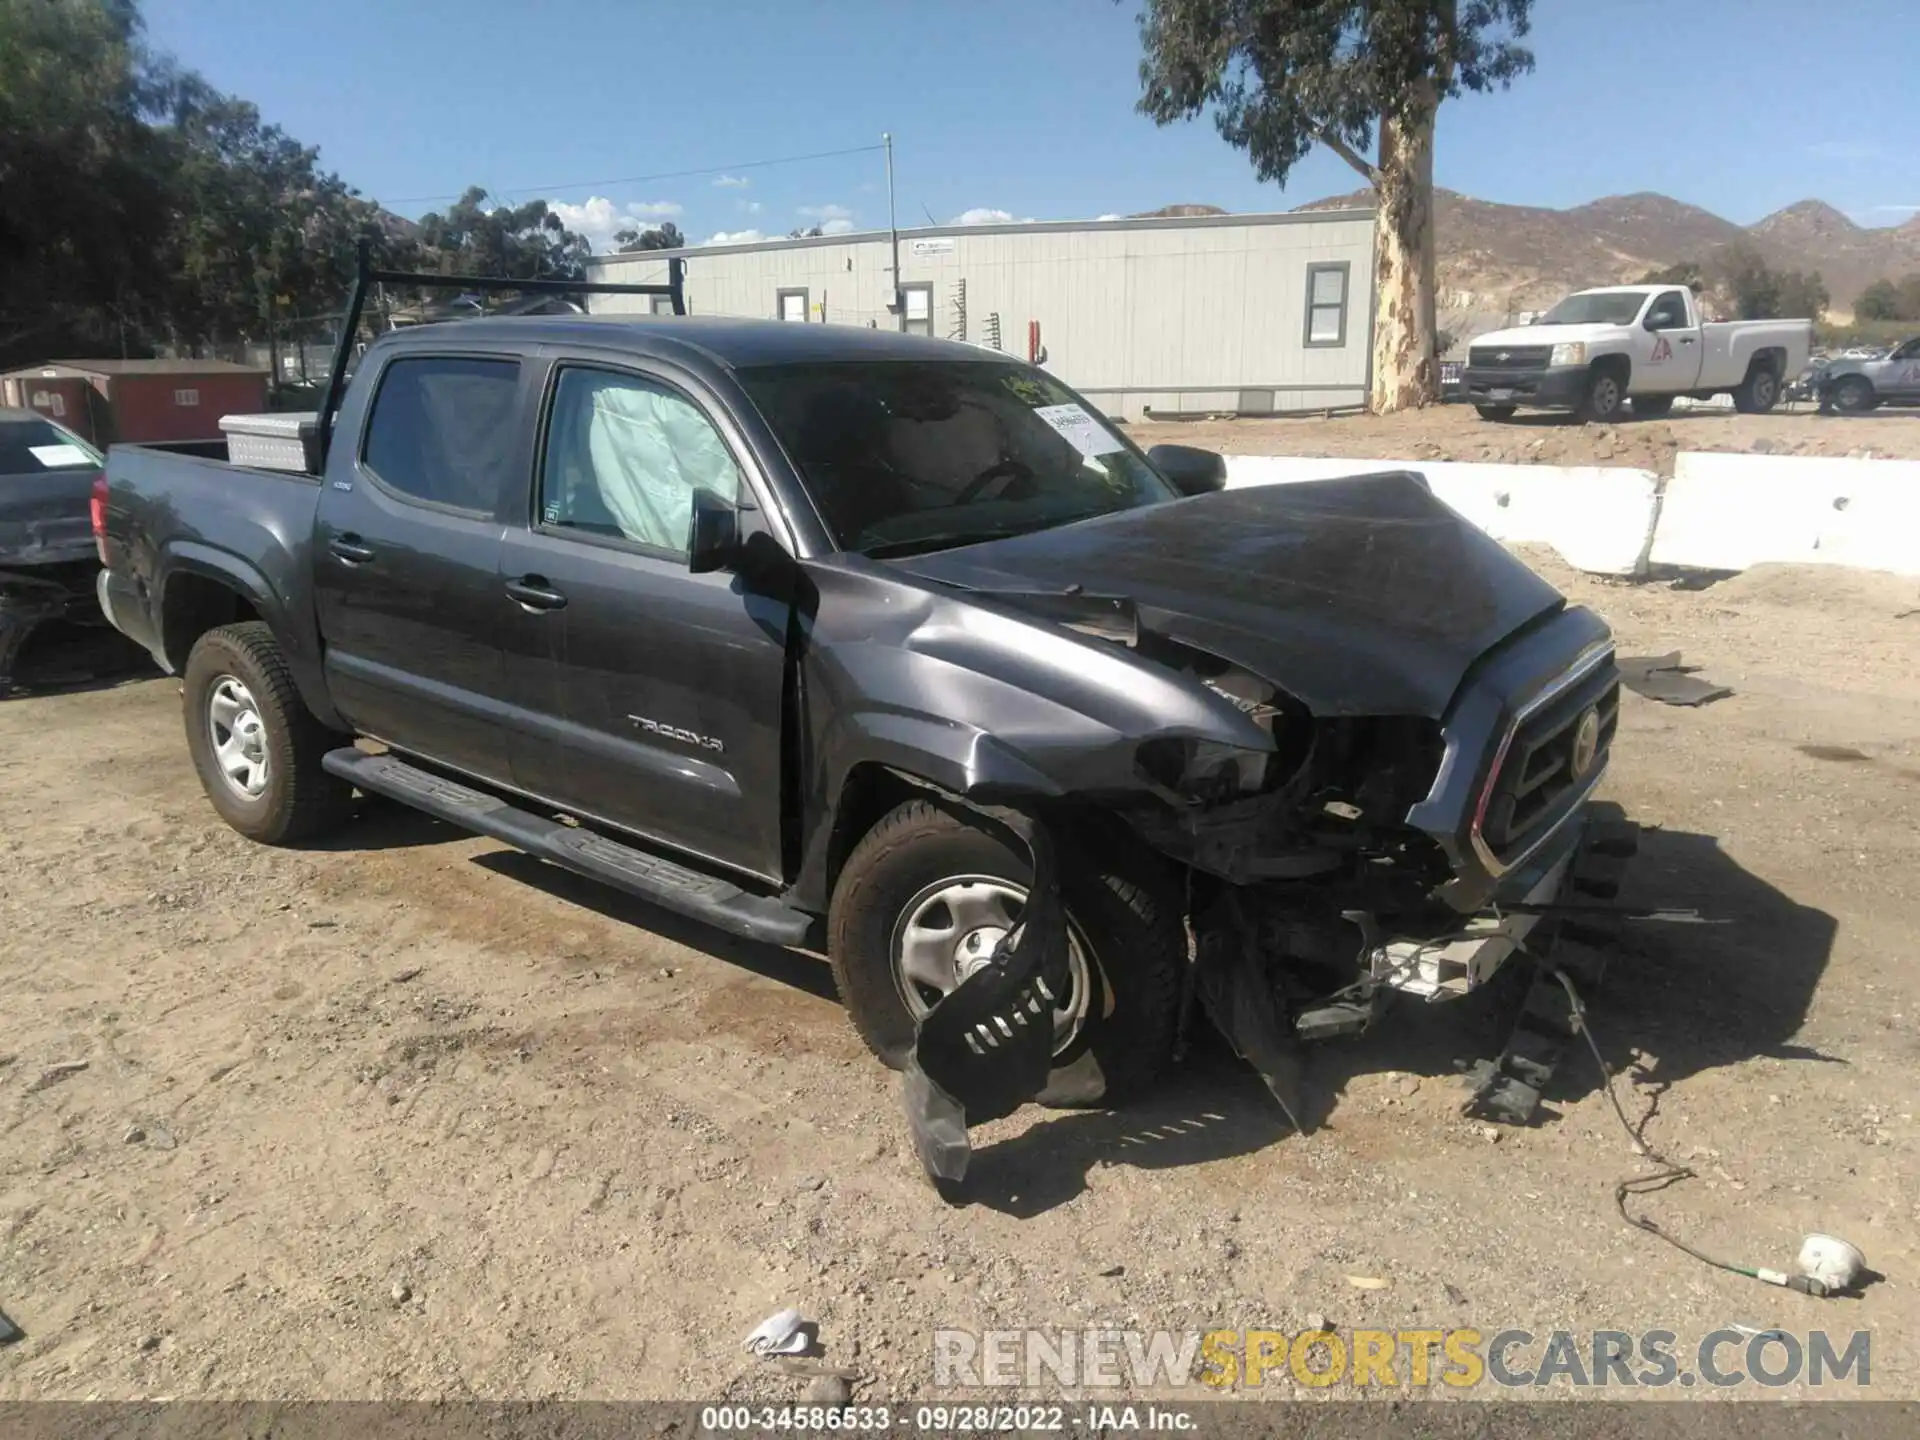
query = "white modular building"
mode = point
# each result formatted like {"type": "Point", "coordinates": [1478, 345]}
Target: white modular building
{"type": "Point", "coordinates": [1151, 316]}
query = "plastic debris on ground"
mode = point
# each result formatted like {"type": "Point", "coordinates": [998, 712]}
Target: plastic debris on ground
{"type": "Point", "coordinates": [785, 1333]}
{"type": "Point", "coordinates": [1664, 678]}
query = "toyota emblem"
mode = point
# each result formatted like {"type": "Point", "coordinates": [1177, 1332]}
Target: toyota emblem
{"type": "Point", "coordinates": [1586, 743]}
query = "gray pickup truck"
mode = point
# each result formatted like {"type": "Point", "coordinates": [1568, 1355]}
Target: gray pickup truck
{"type": "Point", "coordinates": [858, 640]}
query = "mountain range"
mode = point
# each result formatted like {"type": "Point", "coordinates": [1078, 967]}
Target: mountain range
{"type": "Point", "coordinates": [1496, 260]}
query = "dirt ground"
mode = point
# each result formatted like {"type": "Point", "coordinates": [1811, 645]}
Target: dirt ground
{"type": "Point", "coordinates": [1455, 432]}
{"type": "Point", "coordinates": [409, 1115]}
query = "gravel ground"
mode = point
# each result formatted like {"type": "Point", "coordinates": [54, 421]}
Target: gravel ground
{"type": "Point", "coordinates": [409, 1115]}
{"type": "Point", "coordinates": [1454, 432]}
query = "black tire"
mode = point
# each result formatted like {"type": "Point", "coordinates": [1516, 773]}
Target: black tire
{"type": "Point", "coordinates": [1652, 407]}
{"type": "Point", "coordinates": [1127, 912]}
{"type": "Point", "coordinates": [1852, 395]}
{"type": "Point", "coordinates": [1759, 392]}
{"type": "Point", "coordinates": [1495, 412]}
{"type": "Point", "coordinates": [298, 799]}
{"type": "Point", "coordinates": [1606, 397]}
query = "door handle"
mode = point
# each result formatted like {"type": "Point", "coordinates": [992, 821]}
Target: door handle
{"type": "Point", "coordinates": [348, 550]}
{"type": "Point", "coordinates": [1686, 339]}
{"type": "Point", "coordinates": [534, 595]}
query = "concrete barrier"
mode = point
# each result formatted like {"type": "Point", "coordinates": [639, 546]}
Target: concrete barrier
{"type": "Point", "coordinates": [1728, 512]}
{"type": "Point", "coordinates": [1598, 517]}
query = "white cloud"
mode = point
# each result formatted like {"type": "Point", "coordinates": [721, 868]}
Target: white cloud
{"type": "Point", "coordinates": [1109, 216]}
{"type": "Point", "coordinates": [835, 227]}
{"type": "Point", "coordinates": [600, 219]}
{"type": "Point", "coordinates": [826, 213]}
{"type": "Point", "coordinates": [731, 182]}
{"type": "Point", "coordinates": [987, 215]}
{"type": "Point", "coordinates": [733, 237]}
{"type": "Point", "coordinates": [752, 207]}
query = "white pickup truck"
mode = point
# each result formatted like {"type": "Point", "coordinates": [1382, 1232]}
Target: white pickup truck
{"type": "Point", "coordinates": [1598, 349]}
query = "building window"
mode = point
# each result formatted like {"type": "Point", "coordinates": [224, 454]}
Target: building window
{"type": "Point", "coordinates": [662, 304]}
{"type": "Point", "coordinates": [791, 305]}
{"type": "Point", "coordinates": [1327, 304]}
{"type": "Point", "coordinates": [916, 309]}
{"type": "Point", "coordinates": [186, 399]}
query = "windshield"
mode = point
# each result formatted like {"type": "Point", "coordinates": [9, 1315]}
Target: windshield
{"type": "Point", "coordinates": [1599, 307]}
{"type": "Point", "coordinates": [909, 456]}
{"type": "Point", "coordinates": [32, 446]}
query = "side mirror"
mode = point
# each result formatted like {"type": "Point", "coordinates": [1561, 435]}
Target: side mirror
{"type": "Point", "coordinates": [713, 533]}
{"type": "Point", "coordinates": [1191, 471]}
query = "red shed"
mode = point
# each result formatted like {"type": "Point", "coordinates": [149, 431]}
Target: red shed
{"type": "Point", "coordinates": [138, 400]}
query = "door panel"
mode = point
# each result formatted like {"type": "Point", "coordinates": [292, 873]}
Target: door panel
{"type": "Point", "coordinates": [407, 556]}
{"type": "Point", "coordinates": [651, 697]}
{"type": "Point", "coordinates": [1667, 359]}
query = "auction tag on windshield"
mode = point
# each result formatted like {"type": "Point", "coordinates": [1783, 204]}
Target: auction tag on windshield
{"type": "Point", "coordinates": [1081, 430]}
{"type": "Point", "coordinates": [56, 456]}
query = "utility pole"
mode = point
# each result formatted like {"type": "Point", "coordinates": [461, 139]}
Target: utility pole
{"type": "Point", "coordinates": [893, 234]}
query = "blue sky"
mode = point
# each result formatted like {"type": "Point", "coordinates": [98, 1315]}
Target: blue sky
{"type": "Point", "coordinates": [1026, 107]}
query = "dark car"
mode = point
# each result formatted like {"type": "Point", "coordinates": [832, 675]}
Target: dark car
{"type": "Point", "coordinates": [47, 554]}
{"type": "Point", "coordinates": [842, 638]}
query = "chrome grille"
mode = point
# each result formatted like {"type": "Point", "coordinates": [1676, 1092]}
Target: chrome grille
{"type": "Point", "coordinates": [1509, 357]}
{"type": "Point", "coordinates": [1537, 777]}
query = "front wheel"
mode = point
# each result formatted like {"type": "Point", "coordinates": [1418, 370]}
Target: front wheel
{"type": "Point", "coordinates": [254, 742]}
{"type": "Point", "coordinates": [1606, 397]}
{"type": "Point", "coordinates": [1495, 412]}
{"type": "Point", "coordinates": [927, 894]}
{"type": "Point", "coordinates": [1853, 395]}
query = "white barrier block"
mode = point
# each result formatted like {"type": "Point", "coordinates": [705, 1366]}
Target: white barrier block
{"type": "Point", "coordinates": [1598, 517]}
{"type": "Point", "coordinates": [1729, 512]}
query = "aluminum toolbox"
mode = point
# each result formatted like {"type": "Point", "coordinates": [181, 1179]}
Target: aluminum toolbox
{"type": "Point", "coordinates": [272, 442]}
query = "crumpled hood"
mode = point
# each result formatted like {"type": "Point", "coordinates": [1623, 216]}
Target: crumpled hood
{"type": "Point", "coordinates": [1362, 596]}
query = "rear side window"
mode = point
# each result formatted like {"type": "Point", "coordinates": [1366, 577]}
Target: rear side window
{"type": "Point", "coordinates": [442, 429]}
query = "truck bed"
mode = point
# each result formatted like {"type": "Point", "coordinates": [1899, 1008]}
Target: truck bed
{"type": "Point", "coordinates": [181, 510]}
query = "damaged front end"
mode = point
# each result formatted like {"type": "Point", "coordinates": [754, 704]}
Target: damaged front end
{"type": "Point", "coordinates": [1367, 735]}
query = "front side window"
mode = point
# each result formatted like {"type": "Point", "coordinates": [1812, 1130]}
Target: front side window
{"type": "Point", "coordinates": [1669, 312]}
{"type": "Point", "coordinates": [623, 458]}
{"type": "Point", "coordinates": [1327, 304]}
{"type": "Point", "coordinates": [904, 456]}
{"type": "Point", "coordinates": [442, 429]}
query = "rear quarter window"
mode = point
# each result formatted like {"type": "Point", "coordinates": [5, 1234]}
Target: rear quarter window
{"type": "Point", "coordinates": [441, 430]}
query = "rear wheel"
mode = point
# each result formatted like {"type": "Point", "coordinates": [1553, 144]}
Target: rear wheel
{"type": "Point", "coordinates": [1495, 412]}
{"type": "Point", "coordinates": [1759, 392]}
{"type": "Point", "coordinates": [1605, 399]}
{"type": "Point", "coordinates": [1652, 407]}
{"type": "Point", "coordinates": [254, 742]}
{"type": "Point", "coordinates": [929, 891]}
{"type": "Point", "coordinates": [1853, 395]}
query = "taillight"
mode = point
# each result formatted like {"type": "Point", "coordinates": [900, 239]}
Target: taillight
{"type": "Point", "coordinates": [97, 508]}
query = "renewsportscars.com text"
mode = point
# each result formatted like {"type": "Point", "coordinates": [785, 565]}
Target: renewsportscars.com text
{"type": "Point", "coordinates": [1460, 1358]}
